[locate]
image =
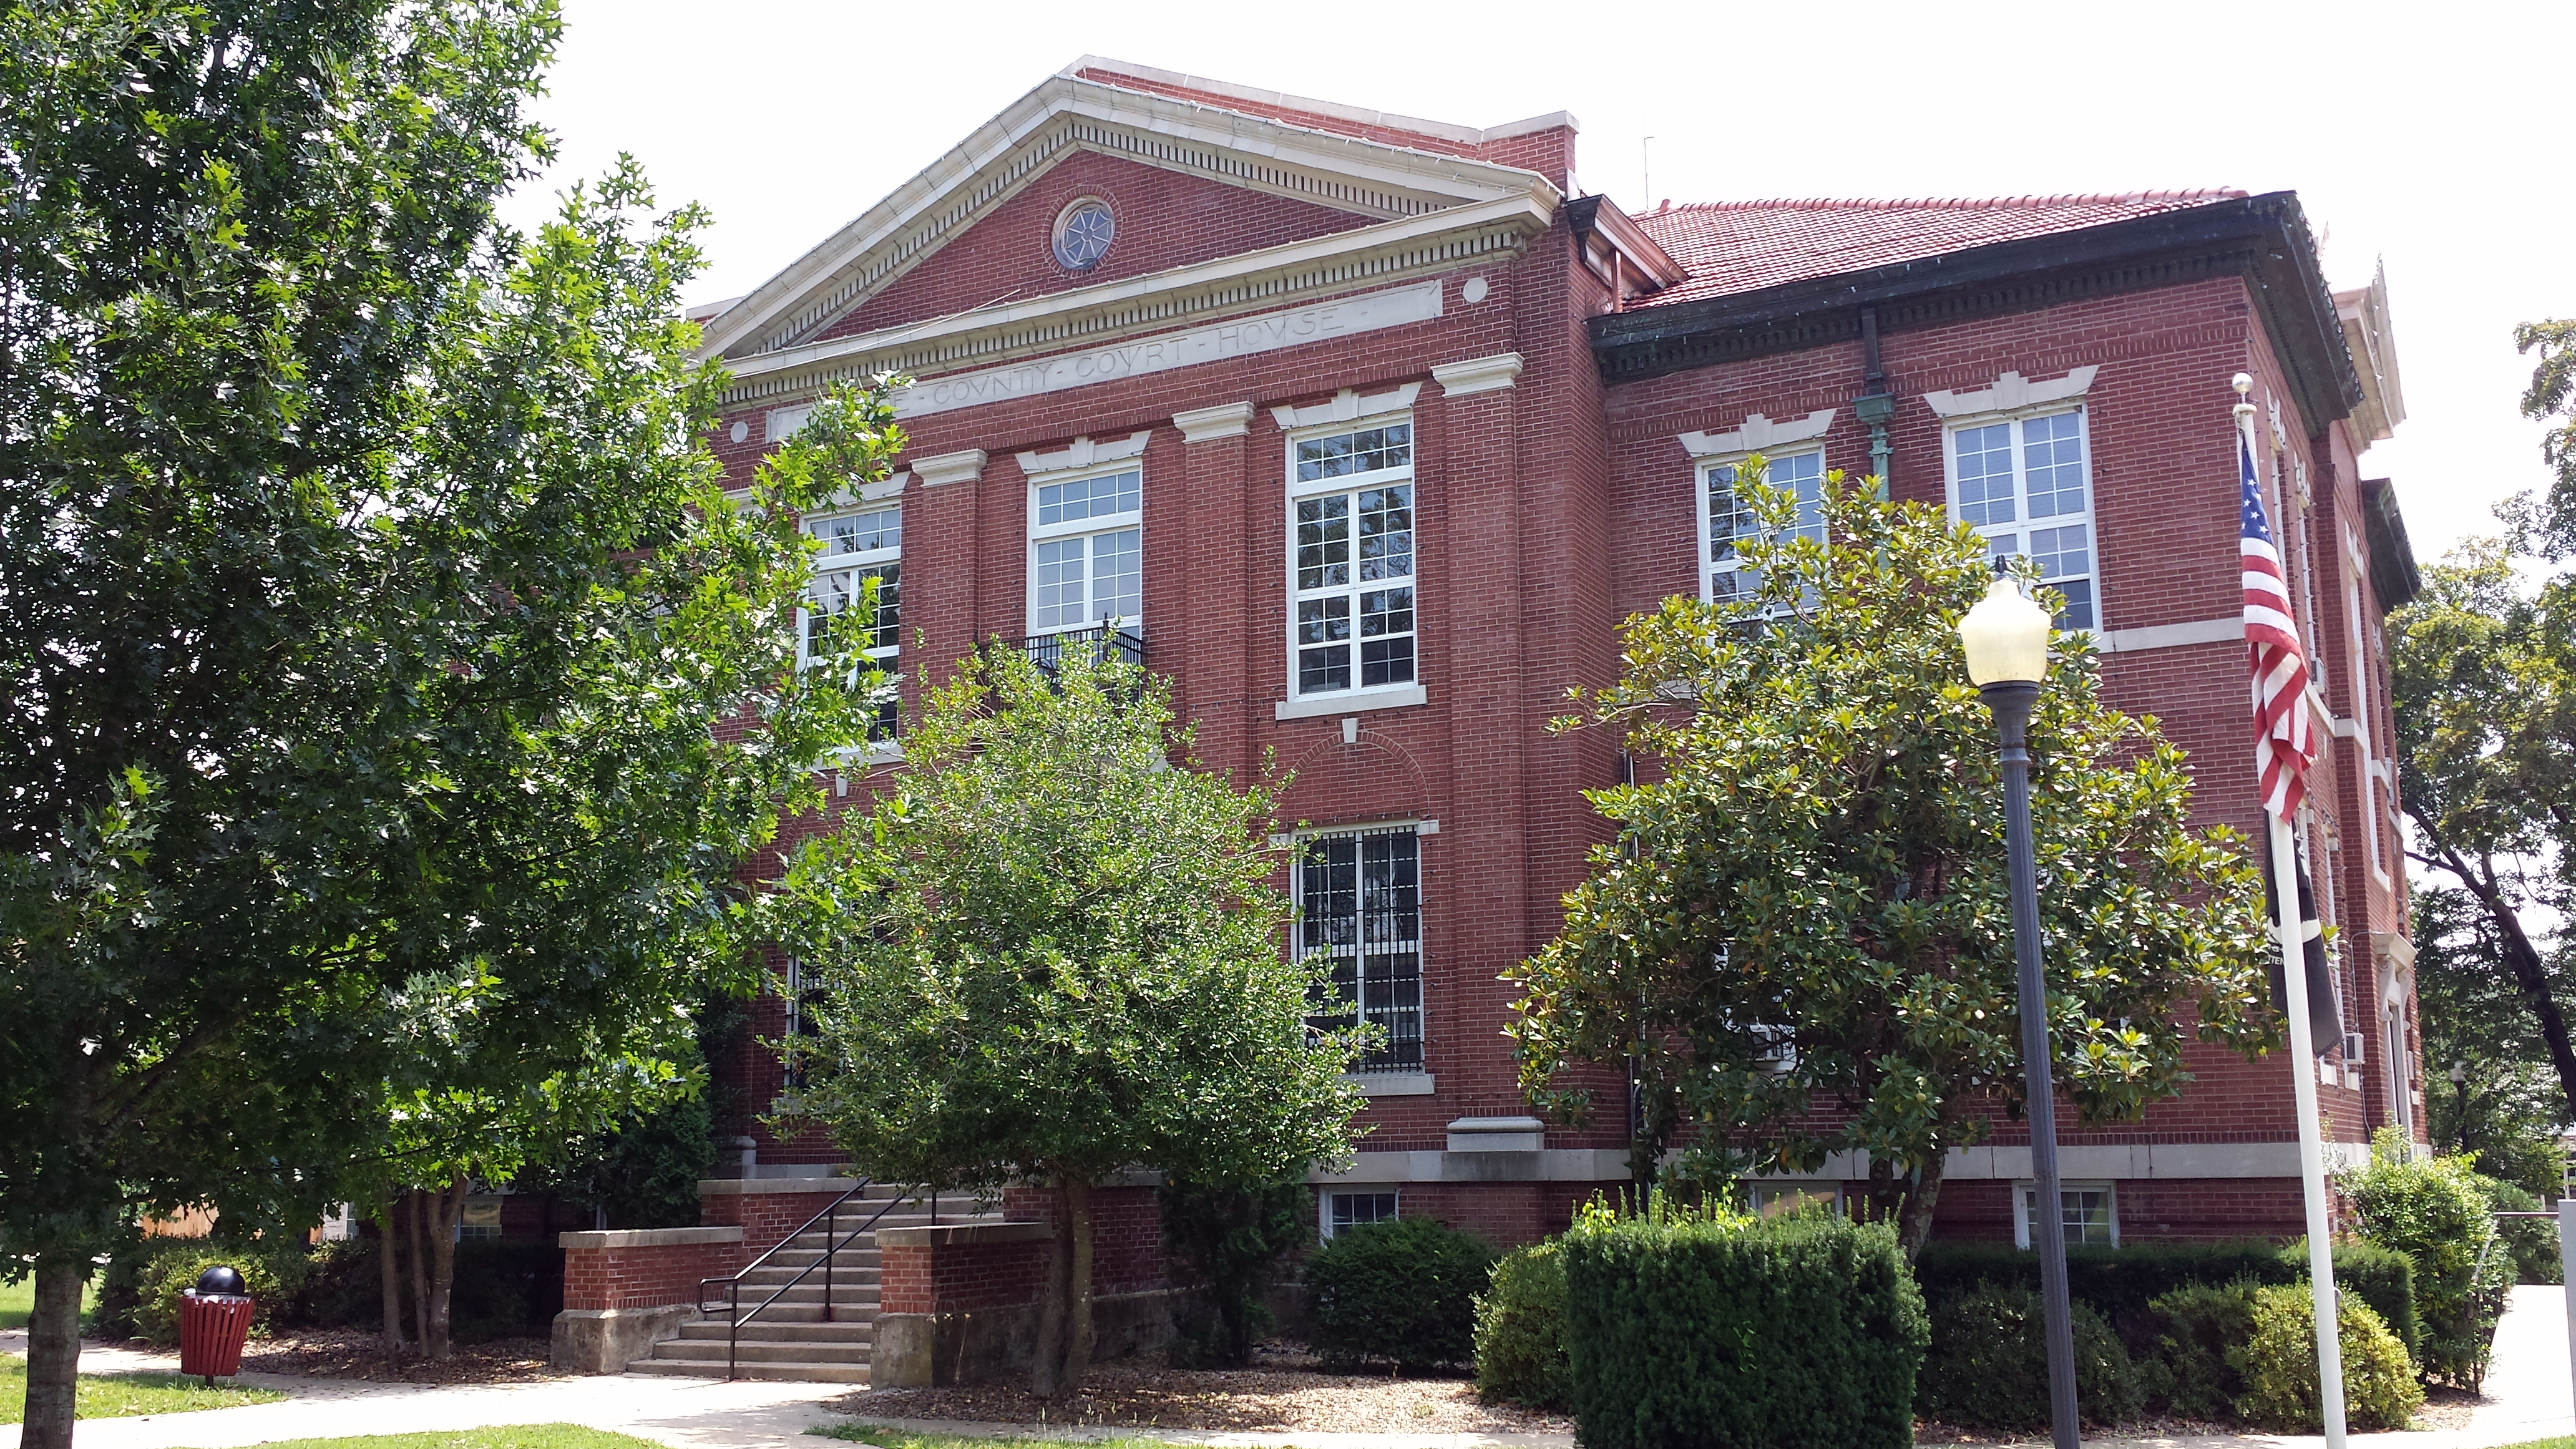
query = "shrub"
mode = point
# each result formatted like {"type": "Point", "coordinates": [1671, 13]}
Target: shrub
{"type": "Point", "coordinates": [1402, 1292]}
{"type": "Point", "coordinates": [269, 1276]}
{"type": "Point", "coordinates": [2121, 1283]}
{"type": "Point", "coordinates": [2532, 1241]}
{"type": "Point", "coordinates": [1520, 1330]}
{"type": "Point", "coordinates": [2188, 1336]}
{"type": "Point", "coordinates": [1710, 1328]}
{"type": "Point", "coordinates": [502, 1290]}
{"type": "Point", "coordinates": [1988, 1364]}
{"type": "Point", "coordinates": [2279, 1366]}
{"type": "Point", "coordinates": [2433, 1212]}
{"type": "Point", "coordinates": [1226, 1240]}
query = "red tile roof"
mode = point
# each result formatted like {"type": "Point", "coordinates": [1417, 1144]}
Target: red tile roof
{"type": "Point", "coordinates": [1745, 246]}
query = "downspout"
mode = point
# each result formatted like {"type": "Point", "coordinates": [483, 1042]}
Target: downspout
{"type": "Point", "coordinates": [1875, 405]}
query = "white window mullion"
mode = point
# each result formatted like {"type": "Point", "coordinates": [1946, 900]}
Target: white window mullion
{"type": "Point", "coordinates": [2025, 484]}
{"type": "Point", "coordinates": [857, 547]}
{"type": "Point", "coordinates": [1086, 552]}
{"type": "Point", "coordinates": [1351, 618]}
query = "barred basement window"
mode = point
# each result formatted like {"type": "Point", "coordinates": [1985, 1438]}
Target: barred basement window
{"type": "Point", "coordinates": [2087, 1210]}
{"type": "Point", "coordinates": [1359, 900]}
{"type": "Point", "coordinates": [1357, 1209]}
{"type": "Point", "coordinates": [1350, 528]}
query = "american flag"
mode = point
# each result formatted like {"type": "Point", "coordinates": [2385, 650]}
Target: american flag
{"type": "Point", "coordinates": [2283, 746]}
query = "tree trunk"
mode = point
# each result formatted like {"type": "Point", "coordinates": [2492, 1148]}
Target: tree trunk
{"type": "Point", "coordinates": [1046, 1372]}
{"type": "Point", "coordinates": [53, 1351]}
{"type": "Point", "coordinates": [449, 1210]}
{"type": "Point", "coordinates": [1914, 1226]}
{"type": "Point", "coordinates": [420, 1268]}
{"type": "Point", "coordinates": [1907, 1203]}
{"type": "Point", "coordinates": [2524, 961]}
{"type": "Point", "coordinates": [1077, 1351]}
{"type": "Point", "coordinates": [389, 1266]}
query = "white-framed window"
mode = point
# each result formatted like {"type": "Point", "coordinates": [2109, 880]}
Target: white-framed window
{"type": "Point", "coordinates": [1087, 551]}
{"type": "Point", "coordinates": [480, 1219]}
{"type": "Point", "coordinates": [1351, 623]}
{"type": "Point", "coordinates": [1356, 1208]}
{"type": "Point", "coordinates": [2090, 1212]}
{"type": "Point", "coordinates": [1774, 1199]}
{"type": "Point", "coordinates": [1726, 518]}
{"type": "Point", "coordinates": [2026, 483]}
{"type": "Point", "coordinates": [2399, 1063]}
{"type": "Point", "coordinates": [1359, 905]}
{"type": "Point", "coordinates": [857, 546]}
{"type": "Point", "coordinates": [797, 996]}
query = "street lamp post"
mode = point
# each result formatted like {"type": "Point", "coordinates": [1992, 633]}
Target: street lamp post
{"type": "Point", "coordinates": [2006, 638]}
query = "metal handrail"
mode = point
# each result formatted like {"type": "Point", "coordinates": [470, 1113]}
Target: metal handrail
{"type": "Point", "coordinates": [830, 1217]}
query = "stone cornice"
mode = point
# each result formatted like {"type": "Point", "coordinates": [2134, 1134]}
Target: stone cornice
{"type": "Point", "coordinates": [1159, 301]}
{"type": "Point", "coordinates": [1370, 178]}
{"type": "Point", "coordinates": [965, 467]}
{"type": "Point", "coordinates": [1225, 420]}
{"type": "Point", "coordinates": [1477, 374]}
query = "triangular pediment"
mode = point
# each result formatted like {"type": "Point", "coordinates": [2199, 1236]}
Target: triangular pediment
{"type": "Point", "coordinates": [1309, 183]}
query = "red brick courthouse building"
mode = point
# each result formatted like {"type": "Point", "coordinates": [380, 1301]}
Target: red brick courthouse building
{"type": "Point", "coordinates": [1368, 431]}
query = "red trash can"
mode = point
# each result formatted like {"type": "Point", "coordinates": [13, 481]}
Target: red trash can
{"type": "Point", "coordinates": [212, 1327]}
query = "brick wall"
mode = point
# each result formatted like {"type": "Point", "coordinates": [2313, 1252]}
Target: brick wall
{"type": "Point", "coordinates": [961, 1277]}
{"type": "Point", "coordinates": [613, 1274]}
{"type": "Point", "coordinates": [1126, 1233]}
{"type": "Point", "coordinates": [766, 1218]}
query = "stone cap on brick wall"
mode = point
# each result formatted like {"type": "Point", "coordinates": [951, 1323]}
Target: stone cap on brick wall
{"type": "Point", "coordinates": [650, 1237]}
{"type": "Point", "coordinates": [955, 1235]}
{"type": "Point", "coordinates": [750, 1186]}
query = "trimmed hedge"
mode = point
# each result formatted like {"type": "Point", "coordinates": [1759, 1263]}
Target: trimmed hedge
{"type": "Point", "coordinates": [1690, 1330]}
{"type": "Point", "coordinates": [2120, 1283]}
{"type": "Point", "coordinates": [1402, 1292]}
{"type": "Point", "coordinates": [1988, 1364]}
{"type": "Point", "coordinates": [1520, 1330]}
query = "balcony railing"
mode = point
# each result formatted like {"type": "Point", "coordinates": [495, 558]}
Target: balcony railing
{"type": "Point", "coordinates": [1046, 651]}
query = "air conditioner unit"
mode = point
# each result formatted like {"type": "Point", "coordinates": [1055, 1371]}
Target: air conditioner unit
{"type": "Point", "coordinates": [2352, 1049]}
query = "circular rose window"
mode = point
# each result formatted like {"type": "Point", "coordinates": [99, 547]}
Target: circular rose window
{"type": "Point", "coordinates": [1083, 233]}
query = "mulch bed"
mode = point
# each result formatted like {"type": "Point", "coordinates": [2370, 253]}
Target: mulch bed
{"type": "Point", "coordinates": [1283, 1390]}
{"type": "Point", "coordinates": [348, 1353]}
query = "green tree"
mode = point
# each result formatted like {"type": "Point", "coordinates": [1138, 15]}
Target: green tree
{"type": "Point", "coordinates": [1051, 951]}
{"type": "Point", "coordinates": [373, 600]}
{"type": "Point", "coordinates": [2490, 1094]}
{"type": "Point", "coordinates": [1805, 899]}
{"type": "Point", "coordinates": [2551, 401]}
{"type": "Point", "coordinates": [2483, 688]}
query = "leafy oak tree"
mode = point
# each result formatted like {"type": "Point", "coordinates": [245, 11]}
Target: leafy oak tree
{"type": "Point", "coordinates": [1800, 931]}
{"type": "Point", "coordinates": [1051, 951]}
{"type": "Point", "coordinates": [2483, 687]}
{"type": "Point", "coordinates": [372, 601]}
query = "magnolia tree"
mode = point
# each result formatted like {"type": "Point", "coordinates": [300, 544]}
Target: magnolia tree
{"type": "Point", "coordinates": [1049, 952]}
{"type": "Point", "coordinates": [373, 603]}
{"type": "Point", "coordinates": [1800, 932]}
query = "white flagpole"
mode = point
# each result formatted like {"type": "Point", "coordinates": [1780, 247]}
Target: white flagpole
{"type": "Point", "coordinates": [2303, 1078]}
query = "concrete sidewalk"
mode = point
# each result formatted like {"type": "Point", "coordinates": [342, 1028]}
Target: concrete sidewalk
{"type": "Point", "coordinates": [2528, 1397]}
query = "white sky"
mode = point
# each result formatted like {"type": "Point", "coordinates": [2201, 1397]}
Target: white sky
{"type": "Point", "coordinates": [2430, 135]}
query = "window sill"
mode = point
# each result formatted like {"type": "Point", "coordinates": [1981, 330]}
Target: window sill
{"type": "Point", "coordinates": [1390, 1084]}
{"type": "Point", "coordinates": [1358, 701]}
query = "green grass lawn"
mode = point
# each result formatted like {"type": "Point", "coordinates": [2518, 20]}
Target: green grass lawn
{"type": "Point", "coordinates": [887, 1438]}
{"type": "Point", "coordinates": [18, 1299]}
{"type": "Point", "coordinates": [507, 1436]}
{"type": "Point", "coordinates": [114, 1396]}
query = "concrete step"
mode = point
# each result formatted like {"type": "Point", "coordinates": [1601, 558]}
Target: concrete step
{"type": "Point", "coordinates": [799, 1372]}
{"type": "Point", "coordinates": [843, 1311]}
{"type": "Point", "coordinates": [809, 1291]}
{"type": "Point", "coordinates": [839, 1330]}
{"type": "Point", "coordinates": [681, 1350]}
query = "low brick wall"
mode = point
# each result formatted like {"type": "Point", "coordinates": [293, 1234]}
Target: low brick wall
{"type": "Point", "coordinates": [647, 1268]}
{"type": "Point", "coordinates": [767, 1209]}
{"type": "Point", "coordinates": [958, 1304]}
